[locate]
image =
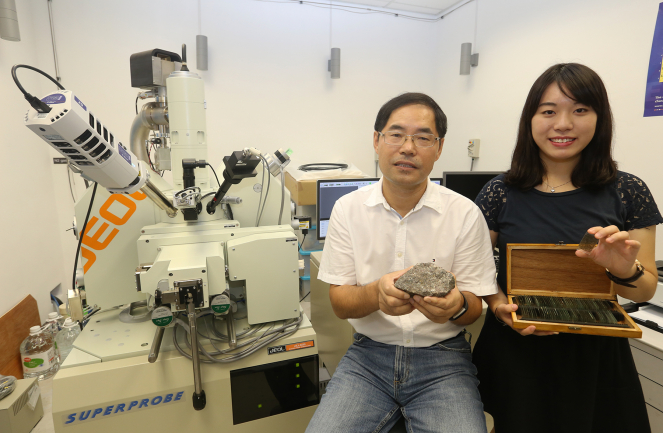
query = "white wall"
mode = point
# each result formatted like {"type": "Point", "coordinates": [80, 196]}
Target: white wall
{"type": "Point", "coordinates": [268, 87]}
{"type": "Point", "coordinates": [30, 252]}
{"type": "Point", "coordinates": [517, 40]}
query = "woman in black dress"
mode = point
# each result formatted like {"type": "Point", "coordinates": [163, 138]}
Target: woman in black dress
{"type": "Point", "coordinates": [562, 183]}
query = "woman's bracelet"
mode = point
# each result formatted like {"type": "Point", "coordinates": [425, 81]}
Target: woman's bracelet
{"type": "Point", "coordinates": [500, 321]}
{"type": "Point", "coordinates": [639, 271]}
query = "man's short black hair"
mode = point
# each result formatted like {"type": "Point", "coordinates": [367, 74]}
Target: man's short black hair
{"type": "Point", "coordinates": [411, 99]}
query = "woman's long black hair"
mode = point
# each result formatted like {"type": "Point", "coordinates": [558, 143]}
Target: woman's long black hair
{"type": "Point", "coordinates": [596, 167]}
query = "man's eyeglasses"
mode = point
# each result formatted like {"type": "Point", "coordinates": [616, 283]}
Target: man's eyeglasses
{"type": "Point", "coordinates": [397, 138]}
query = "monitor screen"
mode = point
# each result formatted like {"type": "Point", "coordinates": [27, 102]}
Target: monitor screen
{"type": "Point", "coordinates": [329, 191]}
{"type": "Point", "coordinates": [467, 183]}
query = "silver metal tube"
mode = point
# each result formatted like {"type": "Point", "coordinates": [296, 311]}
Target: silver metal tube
{"type": "Point", "coordinates": [195, 356]}
{"type": "Point", "coordinates": [156, 344]}
{"type": "Point", "coordinates": [150, 115]}
{"type": "Point", "coordinates": [139, 133]}
{"type": "Point", "coordinates": [153, 193]}
{"type": "Point", "coordinates": [161, 96]}
{"type": "Point", "coordinates": [155, 115]}
{"type": "Point", "coordinates": [231, 200]}
{"type": "Point", "coordinates": [230, 326]}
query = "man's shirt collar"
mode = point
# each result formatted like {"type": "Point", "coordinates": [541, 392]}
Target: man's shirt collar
{"type": "Point", "coordinates": [429, 199]}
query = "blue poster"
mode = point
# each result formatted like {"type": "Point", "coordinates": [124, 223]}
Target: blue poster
{"type": "Point", "coordinates": [654, 93]}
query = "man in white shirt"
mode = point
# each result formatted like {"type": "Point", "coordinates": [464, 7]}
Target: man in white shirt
{"type": "Point", "coordinates": [410, 357]}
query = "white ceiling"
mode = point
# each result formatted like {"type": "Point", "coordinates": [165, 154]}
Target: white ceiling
{"type": "Point", "coordinates": [429, 7]}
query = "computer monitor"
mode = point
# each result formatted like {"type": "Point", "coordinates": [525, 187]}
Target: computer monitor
{"type": "Point", "coordinates": [467, 183]}
{"type": "Point", "coordinates": [330, 190]}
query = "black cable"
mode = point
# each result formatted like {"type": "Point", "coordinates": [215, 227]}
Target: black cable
{"type": "Point", "coordinates": [15, 67]}
{"type": "Point", "coordinates": [305, 296]}
{"type": "Point", "coordinates": [217, 177]}
{"type": "Point", "coordinates": [322, 166]}
{"type": "Point", "coordinates": [82, 233]}
{"type": "Point", "coordinates": [35, 102]}
{"type": "Point", "coordinates": [303, 239]}
{"type": "Point", "coordinates": [269, 181]}
{"type": "Point", "coordinates": [137, 105]}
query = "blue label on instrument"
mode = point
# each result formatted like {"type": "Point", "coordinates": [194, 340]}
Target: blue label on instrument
{"type": "Point", "coordinates": [122, 407]}
{"type": "Point", "coordinates": [80, 103]}
{"type": "Point", "coordinates": [55, 98]}
{"type": "Point", "coordinates": [124, 154]}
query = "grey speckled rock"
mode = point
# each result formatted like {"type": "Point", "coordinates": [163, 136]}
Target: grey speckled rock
{"type": "Point", "coordinates": [426, 279]}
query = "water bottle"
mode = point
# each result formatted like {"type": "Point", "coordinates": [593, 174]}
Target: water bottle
{"type": "Point", "coordinates": [38, 355]}
{"type": "Point", "coordinates": [65, 338]}
{"type": "Point", "coordinates": [52, 328]}
{"type": "Point", "coordinates": [54, 321]}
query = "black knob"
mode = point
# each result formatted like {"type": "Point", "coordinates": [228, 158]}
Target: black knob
{"type": "Point", "coordinates": [199, 400]}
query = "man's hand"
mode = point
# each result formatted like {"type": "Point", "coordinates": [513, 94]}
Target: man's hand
{"type": "Point", "coordinates": [391, 300]}
{"type": "Point", "coordinates": [439, 310]}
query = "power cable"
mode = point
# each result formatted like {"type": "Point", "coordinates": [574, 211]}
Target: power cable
{"type": "Point", "coordinates": [217, 177]}
{"type": "Point", "coordinates": [269, 181]}
{"type": "Point", "coordinates": [262, 183]}
{"type": "Point", "coordinates": [80, 236]}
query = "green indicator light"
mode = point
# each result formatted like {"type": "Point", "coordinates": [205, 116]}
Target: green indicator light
{"type": "Point", "coordinates": [297, 385]}
{"type": "Point", "coordinates": [259, 406]}
{"type": "Point", "coordinates": [297, 365]}
{"type": "Point", "coordinates": [296, 375]}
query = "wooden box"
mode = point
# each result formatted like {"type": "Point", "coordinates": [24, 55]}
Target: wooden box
{"type": "Point", "coordinates": [553, 270]}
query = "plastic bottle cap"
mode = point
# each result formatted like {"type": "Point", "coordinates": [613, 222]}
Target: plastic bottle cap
{"type": "Point", "coordinates": [69, 323]}
{"type": "Point", "coordinates": [53, 315]}
{"type": "Point", "coordinates": [35, 330]}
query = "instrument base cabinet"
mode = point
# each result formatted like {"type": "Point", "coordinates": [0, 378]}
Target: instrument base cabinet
{"type": "Point", "coordinates": [249, 395]}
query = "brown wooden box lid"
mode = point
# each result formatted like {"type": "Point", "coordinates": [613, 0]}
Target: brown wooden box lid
{"type": "Point", "coordinates": [539, 269]}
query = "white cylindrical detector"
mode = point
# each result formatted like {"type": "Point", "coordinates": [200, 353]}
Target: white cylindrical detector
{"type": "Point", "coordinates": [188, 127]}
{"type": "Point", "coordinates": [9, 21]}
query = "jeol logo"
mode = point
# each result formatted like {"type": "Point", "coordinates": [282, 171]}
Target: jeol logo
{"type": "Point", "coordinates": [92, 241]}
{"type": "Point", "coordinates": [122, 408]}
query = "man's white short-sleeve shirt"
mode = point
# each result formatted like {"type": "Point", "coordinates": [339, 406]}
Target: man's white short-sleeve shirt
{"type": "Point", "coordinates": [367, 239]}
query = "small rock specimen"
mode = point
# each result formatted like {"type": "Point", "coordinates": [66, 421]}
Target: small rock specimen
{"type": "Point", "coordinates": [426, 279]}
{"type": "Point", "coordinates": [588, 242]}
